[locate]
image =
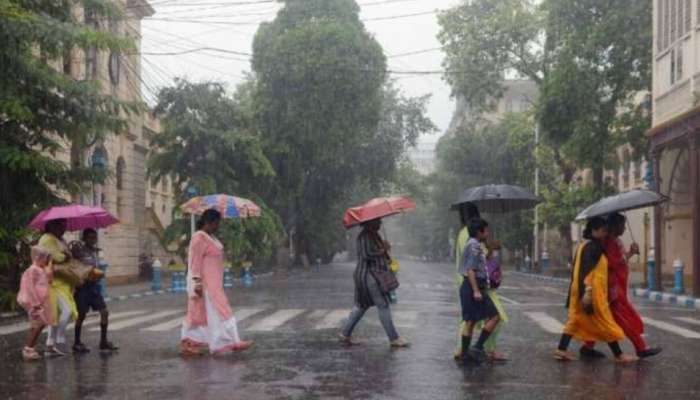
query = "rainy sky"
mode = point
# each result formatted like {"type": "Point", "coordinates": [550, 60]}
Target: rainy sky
{"type": "Point", "coordinates": [179, 26]}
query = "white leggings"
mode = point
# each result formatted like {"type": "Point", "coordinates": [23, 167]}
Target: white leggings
{"type": "Point", "coordinates": [57, 334]}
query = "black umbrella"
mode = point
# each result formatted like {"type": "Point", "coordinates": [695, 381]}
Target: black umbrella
{"type": "Point", "coordinates": [632, 200]}
{"type": "Point", "coordinates": [498, 198]}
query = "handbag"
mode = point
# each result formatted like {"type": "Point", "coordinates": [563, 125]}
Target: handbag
{"type": "Point", "coordinates": [73, 272]}
{"type": "Point", "coordinates": [387, 280]}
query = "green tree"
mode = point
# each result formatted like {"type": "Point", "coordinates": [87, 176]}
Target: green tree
{"type": "Point", "coordinates": [208, 143]}
{"type": "Point", "coordinates": [320, 96]}
{"type": "Point", "coordinates": [590, 73]}
{"type": "Point", "coordinates": [44, 110]}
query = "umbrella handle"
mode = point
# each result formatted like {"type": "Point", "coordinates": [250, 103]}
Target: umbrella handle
{"type": "Point", "coordinates": [629, 228]}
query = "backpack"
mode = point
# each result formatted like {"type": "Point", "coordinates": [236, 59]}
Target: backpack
{"type": "Point", "coordinates": [493, 271]}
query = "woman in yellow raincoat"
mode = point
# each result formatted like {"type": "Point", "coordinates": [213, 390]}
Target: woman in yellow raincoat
{"type": "Point", "coordinates": [61, 299]}
{"type": "Point", "coordinates": [590, 318]}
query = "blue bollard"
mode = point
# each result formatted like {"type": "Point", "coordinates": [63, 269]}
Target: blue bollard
{"type": "Point", "coordinates": [156, 279]}
{"type": "Point", "coordinates": [247, 278]}
{"type": "Point", "coordinates": [651, 271]}
{"type": "Point", "coordinates": [545, 261]}
{"type": "Point", "coordinates": [176, 282]}
{"type": "Point", "coordinates": [678, 276]}
{"type": "Point", "coordinates": [182, 282]}
{"type": "Point", "coordinates": [102, 283]}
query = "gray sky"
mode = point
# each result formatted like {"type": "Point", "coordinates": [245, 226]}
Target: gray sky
{"type": "Point", "coordinates": [167, 32]}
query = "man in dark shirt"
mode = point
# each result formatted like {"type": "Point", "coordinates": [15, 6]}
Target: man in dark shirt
{"type": "Point", "coordinates": [88, 296]}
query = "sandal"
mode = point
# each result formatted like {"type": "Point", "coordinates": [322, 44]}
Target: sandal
{"type": "Point", "coordinates": [243, 345]}
{"type": "Point", "coordinates": [400, 343]}
{"type": "Point", "coordinates": [30, 354]}
{"type": "Point", "coordinates": [80, 348]}
{"type": "Point", "coordinates": [495, 356]}
{"type": "Point", "coordinates": [626, 358]}
{"type": "Point", "coordinates": [347, 340]}
{"type": "Point", "coordinates": [563, 355]}
{"type": "Point", "coordinates": [108, 346]}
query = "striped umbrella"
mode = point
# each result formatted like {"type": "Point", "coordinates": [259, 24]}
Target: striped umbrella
{"type": "Point", "coordinates": [228, 206]}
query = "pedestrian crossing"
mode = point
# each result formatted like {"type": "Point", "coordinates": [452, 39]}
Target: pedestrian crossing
{"type": "Point", "coordinates": [265, 319]}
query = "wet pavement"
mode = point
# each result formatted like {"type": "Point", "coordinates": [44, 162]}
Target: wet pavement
{"type": "Point", "coordinates": [294, 317]}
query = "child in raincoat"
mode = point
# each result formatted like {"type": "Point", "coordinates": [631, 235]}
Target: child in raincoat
{"type": "Point", "coordinates": [33, 296]}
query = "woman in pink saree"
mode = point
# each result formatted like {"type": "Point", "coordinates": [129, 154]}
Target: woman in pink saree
{"type": "Point", "coordinates": [209, 322]}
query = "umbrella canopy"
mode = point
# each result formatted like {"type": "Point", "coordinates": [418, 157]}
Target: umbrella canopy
{"type": "Point", "coordinates": [78, 217]}
{"type": "Point", "coordinates": [632, 200]}
{"type": "Point", "coordinates": [377, 208]}
{"type": "Point", "coordinates": [228, 206]}
{"type": "Point", "coordinates": [498, 198]}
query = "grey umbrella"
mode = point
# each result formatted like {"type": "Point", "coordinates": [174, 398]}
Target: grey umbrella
{"type": "Point", "coordinates": [632, 200]}
{"type": "Point", "coordinates": [498, 198]}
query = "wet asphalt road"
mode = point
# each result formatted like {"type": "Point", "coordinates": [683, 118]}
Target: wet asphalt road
{"type": "Point", "coordinates": [293, 319]}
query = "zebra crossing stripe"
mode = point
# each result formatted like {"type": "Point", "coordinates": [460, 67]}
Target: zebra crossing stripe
{"type": "Point", "coordinates": [546, 322]}
{"type": "Point", "coordinates": [275, 320]}
{"type": "Point", "coordinates": [508, 300]}
{"type": "Point", "coordinates": [138, 320]}
{"type": "Point", "coordinates": [165, 326]}
{"type": "Point", "coordinates": [332, 319]}
{"type": "Point", "coordinates": [91, 320]}
{"type": "Point", "coordinates": [244, 313]}
{"type": "Point", "coordinates": [14, 328]}
{"type": "Point", "coordinates": [665, 326]}
{"type": "Point", "coordinates": [688, 320]}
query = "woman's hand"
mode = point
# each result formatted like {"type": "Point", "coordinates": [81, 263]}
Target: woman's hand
{"type": "Point", "coordinates": [198, 288]}
{"type": "Point", "coordinates": [478, 296]}
{"type": "Point", "coordinates": [386, 245]}
{"type": "Point", "coordinates": [634, 249]}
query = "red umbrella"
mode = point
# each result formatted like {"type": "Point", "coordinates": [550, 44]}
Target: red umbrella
{"type": "Point", "coordinates": [377, 208]}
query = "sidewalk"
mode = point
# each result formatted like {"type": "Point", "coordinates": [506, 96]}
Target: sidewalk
{"type": "Point", "coordinates": [636, 289]}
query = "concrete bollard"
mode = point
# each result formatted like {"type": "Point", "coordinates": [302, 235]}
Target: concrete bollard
{"type": "Point", "coordinates": [678, 267]}
{"type": "Point", "coordinates": [651, 271]}
{"type": "Point", "coordinates": [156, 284]}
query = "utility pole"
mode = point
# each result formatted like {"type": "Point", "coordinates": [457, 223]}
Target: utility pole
{"type": "Point", "coordinates": [536, 244]}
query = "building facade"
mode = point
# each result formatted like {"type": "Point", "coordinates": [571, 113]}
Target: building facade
{"type": "Point", "coordinates": [674, 137]}
{"type": "Point", "coordinates": [422, 155]}
{"type": "Point", "coordinates": [144, 209]}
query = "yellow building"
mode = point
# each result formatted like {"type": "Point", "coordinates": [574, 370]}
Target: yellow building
{"type": "Point", "coordinates": [674, 136]}
{"type": "Point", "coordinates": [143, 208]}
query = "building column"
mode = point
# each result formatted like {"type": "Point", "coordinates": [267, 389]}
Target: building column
{"type": "Point", "coordinates": [695, 210]}
{"type": "Point", "coordinates": [658, 226]}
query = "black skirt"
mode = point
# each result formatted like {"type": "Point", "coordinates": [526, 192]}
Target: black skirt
{"type": "Point", "coordinates": [472, 310]}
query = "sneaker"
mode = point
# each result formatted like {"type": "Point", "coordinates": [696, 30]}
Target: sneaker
{"type": "Point", "coordinates": [54, 351]}
{"type": "Point", "coordinates": [400, 343]}
{"type": "Point", "coordinates": [190, 349]}
{"type": "Point", "coordinates": [650, 352]}
{"type": "Point", "coordinates": [108, 346]}
{"type": "Point", "coordinates": [563, 355]}
{"type": "Point", "coordinates": [626, 358]}
{"type": "Point", "coordinates": [590, 353]}
{"type": "Point", "coordinates": [347, 340]}
{"type": "Point", "coordinates": [30, 354]}
{"type": "Point", "coordinates": [80, 348]}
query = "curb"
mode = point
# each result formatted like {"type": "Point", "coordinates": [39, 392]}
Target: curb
{"type": "Point", "coordinates": [150, 293]}
{"type": "Point", "coordinates": [667, 298]}
{"type": "Point", "coordinates": [539, 277]}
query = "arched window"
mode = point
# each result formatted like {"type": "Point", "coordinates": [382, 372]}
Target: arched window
{"type": "Point", "coordinates": [121, 167]}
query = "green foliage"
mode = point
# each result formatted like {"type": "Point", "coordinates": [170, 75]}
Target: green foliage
{"type": "Point", "coordinates": [591, 73]}
{"type": "Point", "coordinates": [333, 127]}
{"type": "Point", "coordinates": [44, 110]}
{"type": "Point", "coordinates": [208, 142]}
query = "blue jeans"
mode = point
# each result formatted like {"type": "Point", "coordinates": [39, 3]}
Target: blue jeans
{"type": "Point", "coordinates": [383, 309]}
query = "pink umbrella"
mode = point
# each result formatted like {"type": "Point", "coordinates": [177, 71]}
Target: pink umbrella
{"type": "Point", "coordinates": [78, 217]}
{"type": "Point", "coordinates": [377, 208]}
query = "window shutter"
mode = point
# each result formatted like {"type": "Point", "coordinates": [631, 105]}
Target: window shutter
{"type": "Point", "coordinates": [660, 25]}
{"type": "Point", "coordinates": [674, 21]}
{"type": "Point", "coordinates": [688, 16]}
{"type": "Point", "coordinates": [667, 23]}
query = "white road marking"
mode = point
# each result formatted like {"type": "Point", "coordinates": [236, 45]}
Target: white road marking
{"type": "Point", "coordinates": [332, 319]}
{"type": "Point", "coordinates": [665, 326]}
{"type": "Point", "coordinates": [91, 319]}
{"type": "Point", "coordinates": [165, 326]}
{"type": "Point", "coordinates": [275, 320]}
{"type": "Point", "coordinates": [688, 320]}
{"type": "Point", "coordinates": [507, 300]}
{"type": "Point", "coordinates": [240, 315]}
{"type": "Point", "coordinates": [546, 322]}
{"type": "Point", "coordinates": [138, 320]}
